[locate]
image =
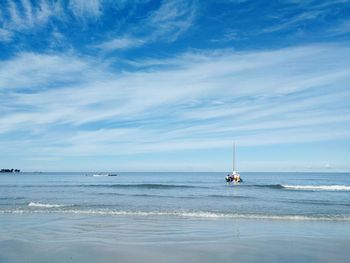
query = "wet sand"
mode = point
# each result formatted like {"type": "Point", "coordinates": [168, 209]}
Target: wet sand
{"type": "Point", "coordinates": [75, 238]}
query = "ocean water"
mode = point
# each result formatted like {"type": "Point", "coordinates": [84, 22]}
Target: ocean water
{"type": "Point", "coordinates": [172, 217]}
{"type": "Point", "coordinates": [308, 196]}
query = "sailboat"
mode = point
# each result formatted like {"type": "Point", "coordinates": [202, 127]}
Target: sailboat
{"type": "Point", "coordinates": [235, 176]}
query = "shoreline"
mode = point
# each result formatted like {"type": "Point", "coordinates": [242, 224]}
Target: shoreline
{"type": "Point", "coordinates": [199, 215]}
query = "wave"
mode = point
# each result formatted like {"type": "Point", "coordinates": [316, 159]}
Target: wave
{"type": "Point", "coordinates": [144, 186]}
{"type": "Point", "coordinates": [318, 202]}
{"type": "Point", "coordinates": [301, 187]}
{"type": "Point", "coordinates": [183, 186]}
{"type": "Point", "coordinates": [230, 196]}
{"type": "Point", "coordinates": [147, 186]}
{"type": "Point", "coordinates": [177, 197]}
{"type": "Point", "coordinates": [12, 198]}
{"type": "Point", "coordinates": [273, 186]}
{"type": "Point", "coordinates": [182, 214]}
{"type": "Point", "coordinates": [147, 195]}
{"type": "Point", "coordinates": [43, 205]}
{"type": "Point", "coordinates": [318, 187]}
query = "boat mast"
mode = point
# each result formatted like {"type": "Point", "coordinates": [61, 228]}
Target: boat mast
{"type": "Point", "coordinates": [233, 158]}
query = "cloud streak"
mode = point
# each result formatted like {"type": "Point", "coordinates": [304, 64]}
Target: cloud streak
{"type": "Point", "coordinates": [120, 43]}
{"type": "Point", "coordinates": [173, 18]}
{"type": "Point", "coordinates": [196, 100]}
{"type": "Point", "coordinates": [27, 16]}
{"type": "Point", "coordinates": [86, 8]}
{"type": "Point", "coordinates": [165, 24]}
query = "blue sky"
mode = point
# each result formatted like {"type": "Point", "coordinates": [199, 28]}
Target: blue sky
{"type": "Point", "coordinates": [88, 85]}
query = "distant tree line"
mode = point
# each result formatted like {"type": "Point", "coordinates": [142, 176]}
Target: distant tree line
{"type": "Point", "coordinates": [10, 171]}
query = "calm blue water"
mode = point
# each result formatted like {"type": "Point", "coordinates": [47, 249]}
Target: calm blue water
{"type": "Point", "coordinates": [300, 196]}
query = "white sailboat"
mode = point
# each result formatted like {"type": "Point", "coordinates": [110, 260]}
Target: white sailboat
{"type": "Point", "coordinates": [235, 176]}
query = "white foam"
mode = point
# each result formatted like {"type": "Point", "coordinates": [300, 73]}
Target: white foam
{"type": "Point", "coordinates": [319, 187]}
{"type": "Point", "coordinates": [34, 204]}
{"type": "Point", "coordinates": [199, 214]}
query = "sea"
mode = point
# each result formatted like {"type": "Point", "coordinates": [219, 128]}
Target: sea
{"type": "Point", "coordinates": [172, 217]}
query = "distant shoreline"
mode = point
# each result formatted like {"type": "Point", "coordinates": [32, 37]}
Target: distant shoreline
{"type": "Point", "coordinates": [10, 171]}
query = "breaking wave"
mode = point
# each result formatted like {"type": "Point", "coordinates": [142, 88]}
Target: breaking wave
{"type": "Point", "coordinates": [42, 205]}
{"type": "Point", "coordinates": [318, 187]}
{"type": "Point", "coordinates": [197, 214]}
{"type": "Point", "coordinates": [302, 187]}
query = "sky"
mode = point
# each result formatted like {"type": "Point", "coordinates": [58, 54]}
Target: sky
{"type": "Point", "coordinates": [142, 85]}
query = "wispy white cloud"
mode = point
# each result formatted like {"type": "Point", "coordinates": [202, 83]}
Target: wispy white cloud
{"type": "Point", "coordinates": [120, 43]}
{"type": "Point", "coordinates": [173, 18]}
{"type": "Point", "coordinates": [165, 24]}
{"type": "Point", "coordinates": [86, 8]}
{"type": "Point", "coordinates": [47, 10]}
{"type": "Point", "coordinates": [342, 28]}
{"type": "Point", "coordinates": [24, 15]}
{"type": "Point", "coordinates": [14, 14]}
{"type": "Point", "coordinates": [5, 35]}
{"type": "Point", "coordinates": [30, 70]}
{"type": "Point", "coordinates": [28, 12]}
{"type": "Point", "coordinates": [228, 37]}
{"type": "Point", "coordinates": [289, 22]}
{"type": "Point", "coordinates": [197, 100]}
{"type": "Point", "coordinates": [306, 13]}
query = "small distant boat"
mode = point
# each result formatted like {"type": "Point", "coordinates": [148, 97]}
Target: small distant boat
{"type": "Point", "coordinates": [103, 174]}
{"type": "Point", "coordinates": [235, 177]}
